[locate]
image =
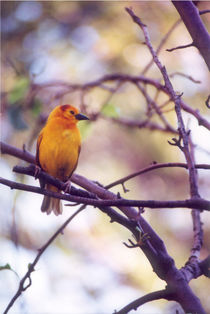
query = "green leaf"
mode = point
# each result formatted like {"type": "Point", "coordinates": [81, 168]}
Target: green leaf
{"type": "Point", "coordinates": [110, 110]}
{"type": "Point", "coordinates": [19, 91]}
{"type": "Point", "coordinates": [6, 266]}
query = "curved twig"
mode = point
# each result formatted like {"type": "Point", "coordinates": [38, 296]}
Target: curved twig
{"type": "Point", "coordinates": [156, 295]}
{"type": "Point", "coordinates": [153, 167]}
{"type": "Point", "coordinates": [32, 265]}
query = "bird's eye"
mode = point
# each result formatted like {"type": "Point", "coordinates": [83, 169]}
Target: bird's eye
{"type": "Point", "coordinates": [72, 112]}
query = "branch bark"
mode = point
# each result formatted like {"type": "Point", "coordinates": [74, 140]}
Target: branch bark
{"type": "Point", "coordinates": [154, 248]}
{"type": "Point", "coordinates": [183, 293]}
{"type": "Point", "coordinates": [194, 24]}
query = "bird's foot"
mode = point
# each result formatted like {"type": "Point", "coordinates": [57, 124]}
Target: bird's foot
{"type": "Point", "coordinates": [37, 171]}
{"type": "Point", "coordinates": [67, 187]}
{"type": "Point", "coordinates": [143, 237]}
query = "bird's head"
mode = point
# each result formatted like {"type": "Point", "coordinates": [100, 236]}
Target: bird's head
{"type": "Point", "coordinates": [68, 112]}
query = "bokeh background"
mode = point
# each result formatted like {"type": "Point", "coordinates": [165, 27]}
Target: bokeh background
{"type": "Point", "coordinates": [88, 270]}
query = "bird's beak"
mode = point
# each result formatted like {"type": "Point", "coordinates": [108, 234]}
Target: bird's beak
{"type": "Point", "coordinates": [81, 116]}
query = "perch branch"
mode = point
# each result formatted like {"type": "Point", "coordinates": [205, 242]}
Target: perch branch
{"type": "Point", "coordinates": [201, 204]}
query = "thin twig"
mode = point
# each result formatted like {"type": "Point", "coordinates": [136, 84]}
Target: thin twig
{"type": "Point", "coordinates": [120, 77]}
{"type": "Point", "coordinates": [176, 100]}
{"type": "Point", "coordinates": [162, 43]}
{"type": "Point", "coordinates": [204, 12]}
{"type": "Point", "coordinates": [157, 295]}
{"type": "Point", "coordinates": [144, 124]}
{"type": "Point", "coordinates": [32, 265]}
{"type": "Point", "coordinates": [189, 77]}
{"type": "Point", "coordinates": [153, 167]}
{"type": "Point", "coordinates": [180, 47]}
{"type": "Point", "coordinates": [194, 305]}
{"type": "Point", "coordinates": [156, 108]}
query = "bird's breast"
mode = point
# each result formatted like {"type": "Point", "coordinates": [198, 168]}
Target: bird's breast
{"type": "Point", "coordinates": [59, 151]}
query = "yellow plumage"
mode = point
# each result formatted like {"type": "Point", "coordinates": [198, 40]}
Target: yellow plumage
{"type": "Point", "coordinates": [58, 148]}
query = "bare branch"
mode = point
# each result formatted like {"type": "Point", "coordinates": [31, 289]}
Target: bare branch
{"type": "Point", "coordinates": [194, 24]}
{"type": "Point", "coordinates": [157, 295]}
{"type": "Point", "coordinates": [119, 77]}
{"type": "Point", "coordinates": [162, 43]}
{"type": "Point", "coordinates": [144, 124]}
{"type": "Point", "coordinates": [153, 104]}
{"type": "Point", "coordinates": [204, 12]}
{"type": "Point", "coordinates": [180, 47]}
{"type": "Point", "coordinates": [176, 100]}
{"type": "Point", "coordinates": [187, 306]}
{"type": "Point", "coordinates": [200, 204]}
{"type": "Point", "coordinates": [185, 75]}
{"type": "Point", "coordinates": [153, 167]}
{"type": "Point", "coordinates": [32, 265]}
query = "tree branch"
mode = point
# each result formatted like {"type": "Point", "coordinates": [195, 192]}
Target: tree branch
{"type": "Point", "coordinates": [120, 77]}
{"type": "Point", "coordinates": [153, 167]}
{"type": "Point", "coordinates": [190, 303]}
{"type": "Point", "coordinates": [31, 267]}
{"type": "Point", "coordinates": [194, 24]}
{"type": "Point", "coordinates": [162, 43]}
{"type": "Point", "coordinates": [201, 204]}
{"type": "Point", "coordinates": [180, 47]}
{"type": "Point", "coordinates": [157, 295]}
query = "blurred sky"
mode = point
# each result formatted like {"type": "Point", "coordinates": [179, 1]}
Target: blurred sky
{"type": "Point", "coordinates": [88, 270]}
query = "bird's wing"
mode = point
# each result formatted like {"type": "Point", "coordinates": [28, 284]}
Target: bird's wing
{"type": "Point", "coordinates": [37, 148]}
{"type": "Point", "coordinates": [41, 181]}
{"type": "Point", "coordinates": [79, 149]}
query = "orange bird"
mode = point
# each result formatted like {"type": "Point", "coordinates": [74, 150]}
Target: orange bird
{"type": "Point", "coordinates": [58, 148]}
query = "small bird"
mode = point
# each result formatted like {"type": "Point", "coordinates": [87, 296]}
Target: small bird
{"type": "Point", "coordinates": [58, 149]}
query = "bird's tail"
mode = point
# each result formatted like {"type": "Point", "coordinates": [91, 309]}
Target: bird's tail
{"type": "Point", "coordinates": [50, 204]}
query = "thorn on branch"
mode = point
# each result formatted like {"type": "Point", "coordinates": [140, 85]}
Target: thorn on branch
{"type": "Point", "coordinates": [118, 195]}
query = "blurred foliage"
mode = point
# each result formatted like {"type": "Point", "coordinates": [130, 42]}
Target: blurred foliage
{"type": "Point", "coordinates": [78, 42]}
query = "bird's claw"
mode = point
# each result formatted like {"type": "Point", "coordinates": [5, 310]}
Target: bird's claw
{"type": "Point", "coordinates": [67, 187]}
{"type": "Point", "coordinates": [37, 171]}
{"type": "Point", "coordinates": [143, 237]}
